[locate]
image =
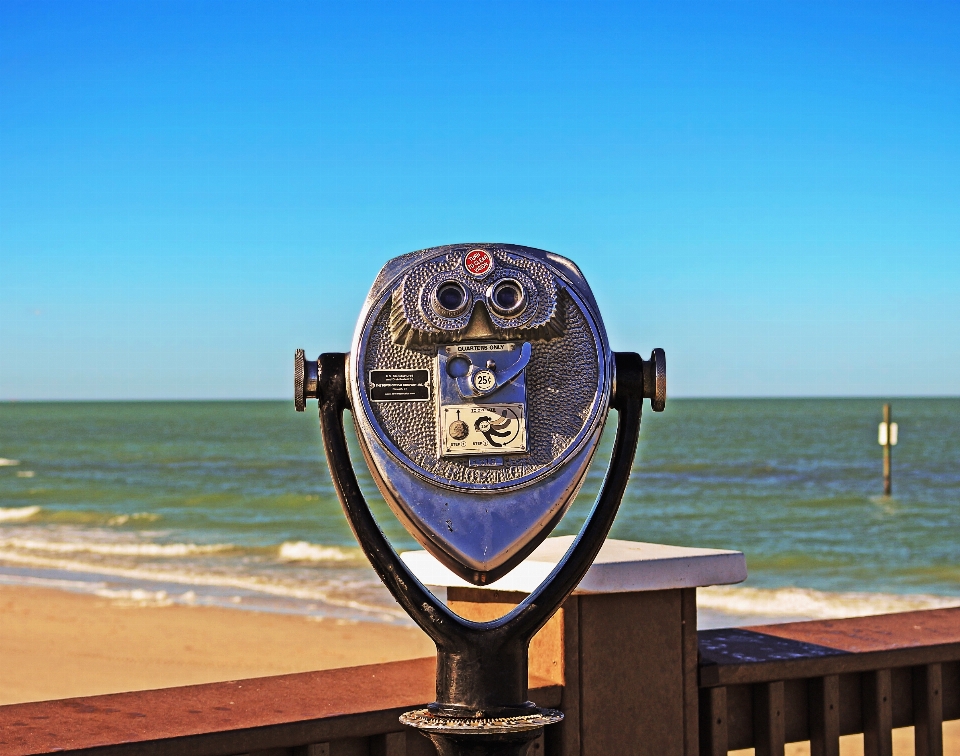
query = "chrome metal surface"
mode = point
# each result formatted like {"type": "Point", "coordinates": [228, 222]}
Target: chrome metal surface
{"type": "Point", "coordinates": [511, 310]}
{"type": "Point", "coordinates": [565, 404]}
{"type": "Point", "coordinates": [416, 321]}
{"type": "Point", "coordinates": [440, 307]}
{"type": "Point", "coordinates": [501, 362]}
{"type": "Point", "coordinates": [476, 531]}
{"type": "Point", "coordinates": [512, 406]}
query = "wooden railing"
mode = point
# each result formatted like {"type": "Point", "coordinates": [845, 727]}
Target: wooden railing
{"type": "Point", "coordinates": [618, 665]}
{"type": "Point", "coordinates": [766, 686]}
{"type": "Point", "coordinates": [336, 712]}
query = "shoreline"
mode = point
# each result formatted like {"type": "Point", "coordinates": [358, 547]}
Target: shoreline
{"type": "Point", "coordinates": [718, 606]}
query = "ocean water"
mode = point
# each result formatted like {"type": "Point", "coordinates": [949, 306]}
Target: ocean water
{"type": "Point", "coordinates": [230, 504]}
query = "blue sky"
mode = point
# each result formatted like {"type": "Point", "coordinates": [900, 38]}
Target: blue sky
{"type": "Point", "coordinates": [189, 191]}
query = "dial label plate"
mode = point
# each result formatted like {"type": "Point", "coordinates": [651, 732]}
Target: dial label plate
{"type": "Point", "coordinates": [483, 429]}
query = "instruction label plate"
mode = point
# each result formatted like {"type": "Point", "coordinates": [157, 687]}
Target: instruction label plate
{"type": "Point", "coordinates": [399, 385]}
{"type": "Point", "coordinates": [486, 429]}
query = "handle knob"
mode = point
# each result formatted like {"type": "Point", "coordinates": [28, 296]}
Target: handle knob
{"type": "Point", "coordinates": [655, 380]}
{"type": "Point", "coordinates": [306, 380]}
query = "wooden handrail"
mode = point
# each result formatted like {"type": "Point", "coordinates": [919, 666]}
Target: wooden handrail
{"type": "Point", "coordinates": [285, 711]}
{"type": "Point", "coordinates": [807, 649]}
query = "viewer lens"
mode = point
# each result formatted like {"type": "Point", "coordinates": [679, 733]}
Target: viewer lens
{"type": "Point", "coordinates": [450, 299]}
{"type": "Point", "coordinates": [507, 298]}
{"type": "Point", "coordinates": [450, 296]}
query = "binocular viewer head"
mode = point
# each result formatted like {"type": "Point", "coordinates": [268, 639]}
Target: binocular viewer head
{"type": "Point", "coordinates": [480, 377]}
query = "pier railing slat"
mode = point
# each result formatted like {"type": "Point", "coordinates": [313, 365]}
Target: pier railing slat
{"type": "Point", "coordinates": [928, 710]}
{"type": "Point", "coordinates": [877, 704]}
{"type": "Point", "coordinates": [768, 718]}
{"type": "Point", "coordinates": [713, 721]}
{"type": "Point", "coordinates": [824, 715]}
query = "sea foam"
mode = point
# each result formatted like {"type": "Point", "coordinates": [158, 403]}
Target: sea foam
{"type": "Point", "coordinates": [135, 517]}
{"type": "Point", "coordinates": [116, 549]}
{"type": "Point", "coordinates": [8, 514]}
{"type": "Point", "coordinates": [735, 605]}
{"type": "Point", "coordinates": [302, 551]}
{"type": "Point", "coordinates": [285, 589]}
{"type": "Point", "coordinates": [136, 597]}
{"type": "Point", "coordinates": [811, 604]}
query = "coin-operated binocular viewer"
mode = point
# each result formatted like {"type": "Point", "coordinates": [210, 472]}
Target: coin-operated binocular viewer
{"type": "Point", "coordinates": [480, 379]}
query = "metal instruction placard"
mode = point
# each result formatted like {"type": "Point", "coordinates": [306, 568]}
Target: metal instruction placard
{"type": "Point", "coordinates": [399, 385]}
{"type": "Point", "coordinates": [483, 429]}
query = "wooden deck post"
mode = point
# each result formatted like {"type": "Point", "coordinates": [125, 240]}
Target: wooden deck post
{"type": "Point", "coordinates": [632, 691]}
{"type": "Point", "coordinates": [623, 661]}
{"type": "Point", "coordinates": [624, 645]}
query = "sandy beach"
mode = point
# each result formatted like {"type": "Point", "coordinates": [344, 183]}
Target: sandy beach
{"type": "Point", "coordinates": [56, 644]}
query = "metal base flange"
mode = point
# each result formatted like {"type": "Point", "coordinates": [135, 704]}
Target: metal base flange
{"type": "Point", "coordinates": [496, 736]}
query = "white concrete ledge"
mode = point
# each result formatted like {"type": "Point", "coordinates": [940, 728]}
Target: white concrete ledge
{"type": "Point", "coordinates": [620, 567]}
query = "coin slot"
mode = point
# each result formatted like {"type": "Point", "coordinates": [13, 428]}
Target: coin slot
{"type": "Point", "coordinates": [458, 367]}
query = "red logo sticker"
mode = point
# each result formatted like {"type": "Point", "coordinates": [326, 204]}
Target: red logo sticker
{"type": "Point", "coordinates": [478, 262]}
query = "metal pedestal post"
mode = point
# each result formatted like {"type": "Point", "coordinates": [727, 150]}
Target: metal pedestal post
{"type": "Point", "coordinates": [482, 707]}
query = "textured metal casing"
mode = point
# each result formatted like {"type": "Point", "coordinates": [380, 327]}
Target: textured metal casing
{"type": "Point", "coordinates": [481, 519]}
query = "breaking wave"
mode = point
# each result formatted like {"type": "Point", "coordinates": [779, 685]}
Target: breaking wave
{"type": "Point", "coordinates": [806, 603]}
{"type": "Point", "coordinates": [135, 517]}
{"type": "Point", "coordinates": [302, 551]}
{"type": "Point", "coordinates": [288, 589]}
{"type": "Point", "coordinates": [137, 597]}
{"type": "Point", "coordinates": [116, 549]}
{"type": "Point", "coordinates": [14, 514]}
